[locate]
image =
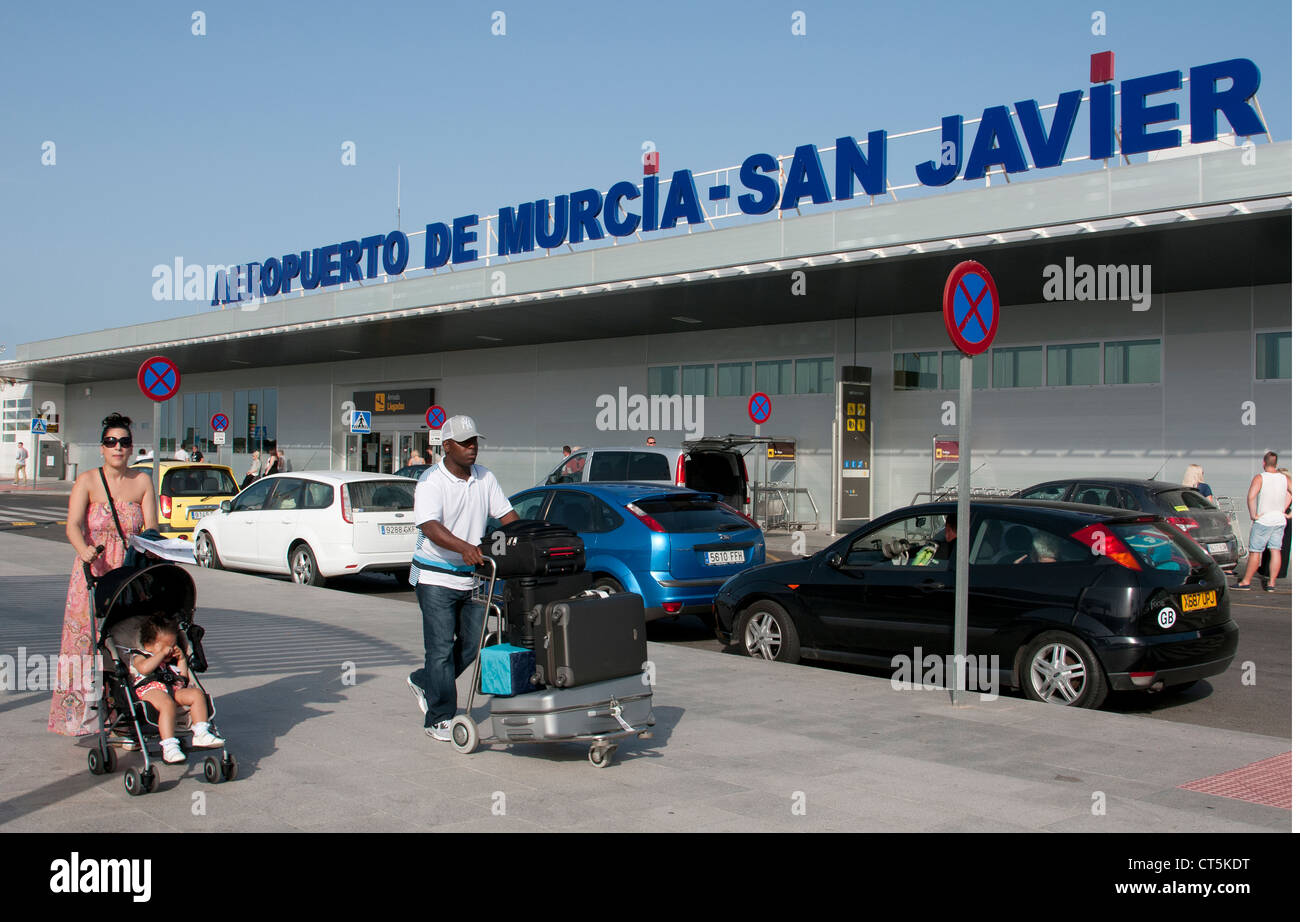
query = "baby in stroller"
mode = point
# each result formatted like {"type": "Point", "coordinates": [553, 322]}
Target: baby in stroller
{"type": "Point", "coordinates": [160, 675]}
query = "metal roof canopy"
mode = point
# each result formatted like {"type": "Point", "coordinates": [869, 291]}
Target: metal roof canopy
{"type": "Point", "coordinates": [883, 258]}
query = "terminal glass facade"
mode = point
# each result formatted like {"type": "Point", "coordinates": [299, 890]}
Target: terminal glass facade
{"type": "Point", "coordinates": [1135, 362]}
{"type": "Point", "coordinates": [1272, 355]}
{"type": "Point", "coordinates": [254, 423]}
{"type": "Point", "coordinates": [735, 379]}
{"type": "Point", "coordinates": [774, 377]}
{"type": "Point", "coordinates": [17, 420]}
{"type": "Point", "coordinates": [1078, 364]}
{"type": "Point", "coordinates": [1018, 367]}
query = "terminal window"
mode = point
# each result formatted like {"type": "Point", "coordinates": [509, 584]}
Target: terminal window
{"type": "Point", "coordinates": [735, 379]}
{"type": "Point", "coordinates": [254, 425]}
{"type": "Point", "coordinates": [1134, 362]}
{"type": "Point", "coordinates": [198, 410]}
{"type": "Point", "coordinates": [697, 379]}
{"type": "Point", "coordinates": [1078, 364]}
{"type": "Point", "coordinates": [17, 418]}
{"type": "Point", "coordinates": [951, 371]}
{"type": "Point", "coordinates": [916, 371]}
{"type": "Point", "coordinates": [663, 380]}
{"type": "Point", "coordinates": [1018, 367]}
{"type": "Point", "coordinates": [773, 377]}
{"type": "Point", "coordinates": [1272, 355]}
{"type": "Point", "coordinates": [814, 376]}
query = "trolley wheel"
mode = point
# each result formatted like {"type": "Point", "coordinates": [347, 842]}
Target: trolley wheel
{"type": "Point", "coordinates": [229, 768]}
{"type": "Point", "coordinates": [134, 783]}
{"type": "Point", "coordinates": [464, 734]}
{"type": "Point", "coordinates": [95, 762]}
{"type": "Point", "coordinates": [601, 756]}
{"type": "Point", "coordinates": [212, 770]}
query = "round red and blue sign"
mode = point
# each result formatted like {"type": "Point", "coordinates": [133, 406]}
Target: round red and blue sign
{"type": "Point", "coordinates": [971, 307]}
{"type": "Point", "coordinates": [435, 416]}
{"type": "Point", "coordinates": [159, 378]}
{"type": "Point", "coordinates": [760, 408]}
{"type": "Point", "coordinates": [220, 422]}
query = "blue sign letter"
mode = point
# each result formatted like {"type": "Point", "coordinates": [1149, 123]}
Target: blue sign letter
{"type": "Point", "coordinates": [461, 235]}
{"type": "Point", "coordinates": [682, 201]}
{"type": "Point", "coordinates": [397, 251]}
{"type": "Point", "coordinates": [437, 245]}
{"type": "Point", "coordinates": [515, 230]}
{"type": "Point", "coordinates": [1234, 102]}
{"type": "Point", "coordinates": [1101, 121]}
{"type": "Point", "coordinates": [944, 170]}
{"type": "Point", "coordinates": [549, 239]}
{"type": "Point", "coordinates": [1135, 114]}
{"type": "Point", "coordinates": [751, 178]}
{"type": "Point", "coordinates": [996, 141]}
{"type": "Point", "coordinates": [806, 179]}
{"type": "Point", "coordinates": [850, 164]}
{"type": "Point", "coordinates": [583, 208]}
{"type": "Point", "coordinates": [617, 226]}
{"type": "Point", "coordinates": [1048, 149]}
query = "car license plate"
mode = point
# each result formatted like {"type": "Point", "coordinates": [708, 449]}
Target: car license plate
{"type": "Point", "coordinates": [397, 529]}
{"type": "Point", "coordinates": [1220, 548]}
{"type": "Point", "coordinates": [200, 511]}
{"type": "Point", "coordinates": [1195, 601]}
{"type": "Point", "coordinates": [718, 558]}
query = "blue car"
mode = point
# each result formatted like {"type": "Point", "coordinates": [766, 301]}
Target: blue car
{"type": "Point", "coordinates": [672, 546]}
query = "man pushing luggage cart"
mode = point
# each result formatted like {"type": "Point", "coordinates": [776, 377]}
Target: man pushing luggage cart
{"type": "Point", "coordinates": [453, 501]}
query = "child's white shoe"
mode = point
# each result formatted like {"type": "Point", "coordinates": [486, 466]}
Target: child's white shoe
{"type": "Point", "coordinates": [172, 751]}
{"type": "Point", "coordinates": [204, 738]}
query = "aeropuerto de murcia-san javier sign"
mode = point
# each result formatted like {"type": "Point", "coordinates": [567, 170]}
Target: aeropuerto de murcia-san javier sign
{"type": "Point", "coordinates": [1225, 87]}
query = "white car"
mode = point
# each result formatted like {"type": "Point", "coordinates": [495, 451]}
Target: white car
{"type": "Point", "coordinates": [313, 525]}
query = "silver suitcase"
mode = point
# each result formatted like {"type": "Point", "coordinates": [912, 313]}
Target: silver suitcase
{"type": "Point", "coordinates": [574, 713]}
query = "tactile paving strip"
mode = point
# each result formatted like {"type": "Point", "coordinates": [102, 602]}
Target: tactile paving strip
{"type": "Point", "coordinates": [1267, 783]}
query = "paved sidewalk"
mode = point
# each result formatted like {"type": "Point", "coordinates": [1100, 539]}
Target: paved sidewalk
{"type": "Point", "coordinates": [740, 745]}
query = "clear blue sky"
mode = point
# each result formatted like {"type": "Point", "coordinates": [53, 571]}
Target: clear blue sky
{"type": "Point", "coordinates": [226, 147]}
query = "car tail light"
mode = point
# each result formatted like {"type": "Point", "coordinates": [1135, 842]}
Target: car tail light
{"type": "Point", "coordinates": [751, 522]}
{"type": "Point", "coordinates": [1186, 523]}
{"type": "Point", "coordinates": [646, 520]}
{"type": "Point", "coordinates": [680, 479]}
{"type": "Point", "coordinates": [1112, 546]}
{"type": "Point", "coordinates": [345, 503]}
{"type": "Point", "coordinates": [672, 607]}
{"type": "Point", "coordinates": [1141, 679]}
{"type": "Point", "coordinates": [165, 503]}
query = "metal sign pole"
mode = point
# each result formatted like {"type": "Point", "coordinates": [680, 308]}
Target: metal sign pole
{"type": "Point", "coordinates": [959, 694]}
{"type": "Point", "coordinates": [157, 438]}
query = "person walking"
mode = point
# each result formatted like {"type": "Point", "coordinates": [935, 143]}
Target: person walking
{"type": "Point", "coordinates": [107, 505]}
{"type": "Point", "coordinates": [1268, 499]}
{"type": "Point", "coordinates": [284, 465]}
{"type": "Point", "coordinates": [1286, 535]}
{"type": "Point", "coordinates": [20, 465]}
{"type": "Point", "coordinates": [453, 501]}
{"type": "Point", "coordinates": [1194, 477]}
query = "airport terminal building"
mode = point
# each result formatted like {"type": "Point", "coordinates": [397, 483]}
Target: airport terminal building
{"type": "Point", "coordinates": [1145, 324]}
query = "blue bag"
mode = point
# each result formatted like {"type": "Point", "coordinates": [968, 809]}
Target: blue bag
{"type": "Point", "coordinates": [507, 670]}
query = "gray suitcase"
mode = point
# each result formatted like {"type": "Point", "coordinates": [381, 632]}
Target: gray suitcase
{"type": "Point", "coordinates": [573, 713]}
{"type": "Point", "coordinates": [588, 639]}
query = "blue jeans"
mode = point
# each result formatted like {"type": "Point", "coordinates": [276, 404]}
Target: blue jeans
{"type": "Point", "coordinates": [452, 628]}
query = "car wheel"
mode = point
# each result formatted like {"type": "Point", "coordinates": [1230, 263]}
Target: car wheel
{"type": "Point", "coordinates": [767, 632]}
{"type": "Point", "coordinates": [1059, 668]}
{"type": "Point", "coordinates": [303, 567]}
{"type": "Point", "coordinates": [205, 552]}
{"type": "Point", "coordinates": [608, 583]}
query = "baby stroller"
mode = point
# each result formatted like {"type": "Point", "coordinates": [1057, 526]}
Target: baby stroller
{"type": "Point", "coordinates": [121, 600]}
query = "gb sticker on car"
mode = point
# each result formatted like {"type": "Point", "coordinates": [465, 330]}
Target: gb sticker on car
{"type": "Point", "coordinates": [1166, 617]}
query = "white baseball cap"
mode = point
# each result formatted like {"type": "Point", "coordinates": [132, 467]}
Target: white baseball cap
{"type": "Point", "coordinates": [460, 429]}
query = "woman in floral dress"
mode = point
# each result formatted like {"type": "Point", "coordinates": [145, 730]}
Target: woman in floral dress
{"type": "Point", "coordinates": [90, 523]}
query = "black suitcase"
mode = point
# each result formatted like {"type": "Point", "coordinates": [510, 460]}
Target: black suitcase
{"type": "Point", "coordinates": [521, 594]}
{"type": "Point", "coordinates": [589, 639]}
{"type": "Point", "coordinates": [529, 548]}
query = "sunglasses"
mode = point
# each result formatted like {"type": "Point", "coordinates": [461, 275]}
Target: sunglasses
{"type": "Point", "coordinates": [113, 441]}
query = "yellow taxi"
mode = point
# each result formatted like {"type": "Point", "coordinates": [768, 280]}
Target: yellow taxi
{"type": "Point", "coordinates": [189, 491]}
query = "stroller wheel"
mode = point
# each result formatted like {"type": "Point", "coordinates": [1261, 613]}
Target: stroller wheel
{"type": "Point", "coordinates": [229, 768]}
{"type": "Point", "coordinates": [150, 777]}
{"type": "Point", "coordinates": [134, 783]}
{"type": "Point", "coordinates": [95, 762]}
{"type": "Point", "coordinates": [212, 773]}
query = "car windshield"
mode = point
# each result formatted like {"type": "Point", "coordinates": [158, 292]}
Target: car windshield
{"type": "Point", "coordinates": [1160, 547]}
{"type": "Point", "coordinates": [382, 495]}
{"type": "Point", "coordinates": [199, 481]}
{"type": "Point", "coordinates": [688, 514]}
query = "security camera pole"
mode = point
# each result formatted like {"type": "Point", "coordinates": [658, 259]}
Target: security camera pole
{"type": "Point", "coordinates": [970, 314]}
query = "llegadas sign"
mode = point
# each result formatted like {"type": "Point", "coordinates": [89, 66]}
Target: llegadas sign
{"type": "Point", "coordinates": [587, 214]}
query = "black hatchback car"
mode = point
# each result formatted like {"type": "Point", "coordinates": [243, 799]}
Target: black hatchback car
{"type": "Point", "coordinates": [1200, 519]}
{"type": "Point", "coordinates": [1075, 601]}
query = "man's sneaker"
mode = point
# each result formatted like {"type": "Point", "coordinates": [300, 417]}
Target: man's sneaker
{"type": "Point", "coordinates": [440, 731]}
{"type": "Point", "coordinates": [419, 694]}
{"type": "Point", "coordinates": [172, 752]}
{"type": "Point", "coordinates": [205, 739]}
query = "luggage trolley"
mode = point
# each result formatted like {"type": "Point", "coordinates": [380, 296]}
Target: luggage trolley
{"type": "Point", "coordinates": [552, 715]}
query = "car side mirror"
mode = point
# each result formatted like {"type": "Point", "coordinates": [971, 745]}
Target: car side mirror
{"type": "Point", "coordinates": [225, 505]}
{"type": "Point", "coordinates": [835, 561]}
{"type": "Point", "coordinates": [553, 478]}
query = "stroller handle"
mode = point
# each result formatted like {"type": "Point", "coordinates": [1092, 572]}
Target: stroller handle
{"type": "Point", "coordinates": [90, 579]}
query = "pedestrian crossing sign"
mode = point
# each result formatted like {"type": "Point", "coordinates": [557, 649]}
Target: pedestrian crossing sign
{"type": "Point", "coordinates": [38, 426]}
{"type": "Point", "coordinates": [360, 421]}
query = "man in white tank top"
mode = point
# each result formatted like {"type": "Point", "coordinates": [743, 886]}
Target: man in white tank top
{"type": "Point", "coordinates": [1269, 497]}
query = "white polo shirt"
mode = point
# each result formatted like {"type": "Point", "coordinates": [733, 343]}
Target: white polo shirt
{"type": "Point", "coordinates": [463, 507]}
